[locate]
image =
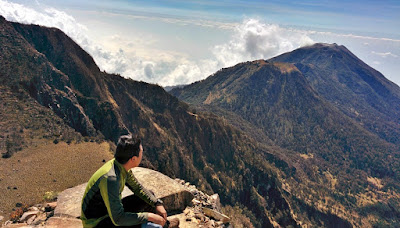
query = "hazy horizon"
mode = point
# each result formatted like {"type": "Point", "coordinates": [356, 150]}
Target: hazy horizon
{"type": "Point", "coordinates": [179, 42]}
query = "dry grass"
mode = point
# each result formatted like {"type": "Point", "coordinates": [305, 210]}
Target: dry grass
{"type": "Point", "coordinates": [238, 217]}
{"type": "Point", "coordinates": [285, 67]}
{"type": "Point", "coordinates": [30, 173]}
{"type": "Point", "coordinates": [375, 182]}
{"type": "Point", "coordinates": [307, 156]}
{"type": "Point", "coordinates": [211, 97]}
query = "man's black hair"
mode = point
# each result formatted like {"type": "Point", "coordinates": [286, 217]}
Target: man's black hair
{"type": "Point", "coordinates": [127, 147]}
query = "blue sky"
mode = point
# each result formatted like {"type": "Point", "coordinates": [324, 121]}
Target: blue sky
{"type": "Point", "coordinates": [179, 42]}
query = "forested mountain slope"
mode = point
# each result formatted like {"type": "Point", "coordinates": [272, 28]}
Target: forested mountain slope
{"type": "Point", "coordinates": [331, 151]}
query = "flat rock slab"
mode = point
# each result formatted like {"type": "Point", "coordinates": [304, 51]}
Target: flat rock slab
{"type": "Point", "coordinates": [183, 222]}
{"type": "Point", "coordinates": [215, 214]}
{"type": "Point", "coordinates": [63, 222]}
{"type": "Point", "coordinates": [174, 195]}
{"type": "Point", "coordinates": [17, 225]}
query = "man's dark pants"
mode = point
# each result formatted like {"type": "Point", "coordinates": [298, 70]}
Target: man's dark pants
{"type": "Point", "coordinates": [131, 203]}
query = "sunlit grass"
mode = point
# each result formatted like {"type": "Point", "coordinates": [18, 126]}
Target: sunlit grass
{"type": "Point", "coordinates": [30, 173]}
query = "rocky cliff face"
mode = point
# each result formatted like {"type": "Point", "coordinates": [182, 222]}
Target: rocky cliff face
{"type": "Point", "coordinates": [25, 67]}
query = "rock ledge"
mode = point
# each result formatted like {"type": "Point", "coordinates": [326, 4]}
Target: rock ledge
{"type": "Point", "coordinates": [194, 208]}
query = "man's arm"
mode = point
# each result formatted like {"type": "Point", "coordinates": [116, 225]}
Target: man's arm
{"type": "Point", "coordinates": [140, 191]}
{"type": "Point", "coordinates": [109, 189]}
{"type": "Point", "coordinates": [160, 210]}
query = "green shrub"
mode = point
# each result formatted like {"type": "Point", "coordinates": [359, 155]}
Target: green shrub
{"type": "Point", "coordinates": [50, 196]}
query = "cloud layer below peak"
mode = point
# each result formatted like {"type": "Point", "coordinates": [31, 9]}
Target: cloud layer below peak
{"type": "Point", "coordinates": [164, 65]}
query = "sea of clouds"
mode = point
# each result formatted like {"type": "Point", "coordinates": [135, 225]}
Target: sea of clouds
{"type": "Point", "coordinates": [250, 40]}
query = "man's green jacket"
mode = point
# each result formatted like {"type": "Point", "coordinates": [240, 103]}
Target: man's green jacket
{"type": "Point", "coordinates": [102, 196]}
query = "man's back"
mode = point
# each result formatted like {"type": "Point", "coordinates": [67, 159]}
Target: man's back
{"type": "Point", "coordinates": [102, 197]}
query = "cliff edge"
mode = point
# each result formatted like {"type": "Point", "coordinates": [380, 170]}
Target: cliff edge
{"type": "Point", "coordinates": [181, 199]}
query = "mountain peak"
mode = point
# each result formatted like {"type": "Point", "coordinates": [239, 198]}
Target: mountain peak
{"type": "Point", "coordinates": [358, 90]}
{"type": "Point", "coordinates": [325, 45]}
{"type": "Point", "coordinates": [322, 48]}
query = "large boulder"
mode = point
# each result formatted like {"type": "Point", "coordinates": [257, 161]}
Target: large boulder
{"type": "Point", "coordinates": [174, 195]}
{"type": "Point", "coordinates": [69, 202]}
{"type": "Point", "coordinates": [57, 222]}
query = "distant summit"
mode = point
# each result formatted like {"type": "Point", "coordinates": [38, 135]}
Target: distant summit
{"type": "Point", "coordinates": [326, 107]}
{"type": "Point", "coordinates": [352, 86]}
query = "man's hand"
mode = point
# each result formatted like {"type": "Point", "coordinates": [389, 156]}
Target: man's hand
{"type": "Point", "coordinates": [160, 210]}
{"type": "Point", "coordinates": [157, 219]}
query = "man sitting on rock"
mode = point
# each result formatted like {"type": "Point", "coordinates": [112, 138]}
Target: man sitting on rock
{"type": "Point", "coordinates": [102, 205]}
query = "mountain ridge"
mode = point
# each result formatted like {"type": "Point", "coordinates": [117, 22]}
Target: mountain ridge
{"type": "Point", "coordinates": [358, 90]}
{"type": "Point", "coordinates": [286, 106]}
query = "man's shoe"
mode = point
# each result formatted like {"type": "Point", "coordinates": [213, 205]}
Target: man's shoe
{"type": "Point", "coordinates": [172, 223]}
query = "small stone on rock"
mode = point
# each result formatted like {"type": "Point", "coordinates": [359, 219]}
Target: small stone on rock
{"type": "Point", "coordinates": [186, 211]}
{"type": "Point", "coordinates": [31, 219]}
{"type": "Point", "coordinates": [50, 206]}
{"type": "Point", "coordinates": [199, 216]}
{"type": "Point", "coordinates": [33, 209]}
{"type": "Point", "coordinates": [212, 223]}
{"type": "Point", "coordinates": [195, 201]}
{"type": "Point", "coordinates": [40, 219]}
{"type": "Point", "coordinates": [215, 214]}
{"type": "Point", "coordinates": [28, 215]}
{"type": "Point", "coordinates": [18, 204]}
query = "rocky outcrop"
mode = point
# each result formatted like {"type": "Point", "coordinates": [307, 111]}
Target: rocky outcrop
{"type": "Point", "coordinates": [33, 72]}
{"type": "Point", "coordinates": [65, 104]}
{"type": "Point", "coordinates": [192, 207]}
{"type": "Point", "coordinates": [175, 197]}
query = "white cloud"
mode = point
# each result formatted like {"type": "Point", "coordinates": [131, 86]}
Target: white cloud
{"type": "Point", "coordinates": [256, 40]}
{"type": "Point", "coordinates": [384, 54]}
{"type": "Point", "coordinates": [48, 17]}
{"type": "Point", "coordinates": [251, 40]}
{"type": "Point", "coordinates": [111, 61]}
